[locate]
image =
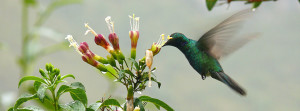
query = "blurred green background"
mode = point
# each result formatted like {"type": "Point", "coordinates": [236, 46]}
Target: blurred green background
{"type": "Point", "coordinates": [267, 67]}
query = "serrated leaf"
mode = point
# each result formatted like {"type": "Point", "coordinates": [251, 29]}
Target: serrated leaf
{"type": "Point", "coordinates": [66, 76]}
{"type": "Point", "coordinates": [138, 102]}
{"type": "Point", "coordinates": [93, 107]}
{"type": "Point", "coordinates": [30, 108]}
{"type": "Point", "coordinates": [256, 4]}
{"type": "Point", "coordinates": [24, 98]}
{"type": "Point", "coordinates": [73, 106]}
{"type": "Point", "coordinates": [41, 92]}
{"type": "Point", "coordinates": [110, 102]}
{"type": "Point", "coordinates": [210, 4]}
{"type": "Point", "coordinates": [157, 102]}
{"type": "Point", "coordinates": [34, 78]}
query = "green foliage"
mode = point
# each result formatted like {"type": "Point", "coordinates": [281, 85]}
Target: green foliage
{"type": "Point", "coordinates": [210, 4]}
{"type": "Point", "coordinates": [110, 102]}
{"type": "Point", "coordinates": [73, 106]}
{"type": "Point", "coordinates": [49, 81]}
{"type": "Point", "coordinates": [156, 102]}
{"type": "Point", "coordinates": [94, 107]}
{"type": "Point", "coordinates": [255, 3]}
{"type": "Point", "coordinates": [24, 98]}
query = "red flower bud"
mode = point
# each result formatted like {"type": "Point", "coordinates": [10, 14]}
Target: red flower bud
{"type": "Point", "coordinates": [114, 40]}
{"type": "Point", "coordinates": [100, 40]}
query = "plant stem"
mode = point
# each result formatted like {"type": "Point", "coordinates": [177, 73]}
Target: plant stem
{"type": "Point", "coordinates": [54, 99]}
{"type": "Point", "coordinates": [130, 95]}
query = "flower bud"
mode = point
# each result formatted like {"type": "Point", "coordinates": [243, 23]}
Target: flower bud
{"type": "Point", "coordinates": [42, 72]}
{"type": "Point", "coordinates": [134, 34]}
{"type": "Point", "coordinates": [49, 67]}
{"type": "Point", "coordinates": [100, 40]}
{"type": "Point", "coordinates": [137, 109]}
{"type": "Point", "coordinates": [156, 47]}
{"type": "Point", "coordinates": [114, 40]}
{"type": "Point", "coordinates": [100, 59]}
{"type": "Point", "coordinates": [149, 60]}
{"type": "Point", "coordinates": [56, 71]}
{"type": "Point", "coordinates": [84, 49]}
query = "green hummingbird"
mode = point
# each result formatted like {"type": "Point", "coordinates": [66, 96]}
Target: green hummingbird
{"type": "Point", "coordinates": [203, 55]}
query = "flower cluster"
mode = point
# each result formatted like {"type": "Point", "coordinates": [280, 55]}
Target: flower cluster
{"type": "Point", "coordinates": [127, 71]}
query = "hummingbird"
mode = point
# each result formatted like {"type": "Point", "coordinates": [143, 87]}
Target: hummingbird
{"type": "Point", "coordinates": [204, 54]}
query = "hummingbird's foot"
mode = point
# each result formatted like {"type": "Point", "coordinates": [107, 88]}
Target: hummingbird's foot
{"type": "Point", "coordinates": [203, 77]}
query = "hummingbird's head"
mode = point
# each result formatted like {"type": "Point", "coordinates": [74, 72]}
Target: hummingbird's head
{"type": "Point", "coordinates": [177, 38]}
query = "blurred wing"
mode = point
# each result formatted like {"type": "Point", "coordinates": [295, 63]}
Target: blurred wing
{"type": "Point", "coordinates": [234, 45]}
{"type": "Point", "coordinates": [216, 39]}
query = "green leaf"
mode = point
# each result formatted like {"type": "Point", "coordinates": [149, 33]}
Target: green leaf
{"type": "Point", "coordinates": [11, 109]}
{"type": "Point", "coordinates": [36, 85]}
{"type": "Point", "coordinates": [210, 4]}
{"type": "Point", "coordinates": [68, 75]}
{"type": "Point", "coordinates": [121, 75]}
{"type": "Point", "coordinates": [30, 2]}
{"type": "Point", "coordinates": [41, 92]}
{"type": "Point", "coordinates": [73, 106]}
{"type": "Point", "coordinates": [157, 106]}
{"type": "Point", "coordinates": [156, 102]}
{"type": "Point", "coordinates": [59, 3]}
{"type": "Point", "coordinates": [93, 107]}
{"type": "Point", "coordinates": [158, 83]}
{"type": "Point", "coordinates": [129, 72]}
{"type": "Point", "coordinates": [30, 108]}
{"type": "Point", "coordinates": [256, 4]}
{"type": "Point", "coordinates": [110, 102]}
{"type": "Point", "coordinates": [26, 78]}
{"type": "Point", "coordinates": [24, 98]}
{"type": "Point", "coordinates": [78, 94]}
{"type": "Point", "coordinates": [62, 90]}
{"type": "Point", "coordinates": [75, 85]}
{"type": "Point", "coordinates": [138, 102]}
{"type": "Point", "coordinates": [76, 90]}
{"type": "Point", "coordinates": [135, 63]}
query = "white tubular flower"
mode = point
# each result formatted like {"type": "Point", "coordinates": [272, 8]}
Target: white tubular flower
{"type": "Point", "coordinates": [134, 23]}
{"type": "Point", "coordinates": [110, 24]}
{"type": "Point", "coordinates": [89, 30]}
{"type": "Point", "coordinates": [155, 48]}
{"type": "Point", "coordinates": [73, 43]}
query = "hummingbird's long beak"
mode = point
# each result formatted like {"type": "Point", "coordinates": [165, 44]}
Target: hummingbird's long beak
{"type": "Point", "coordinates": [168, 39]}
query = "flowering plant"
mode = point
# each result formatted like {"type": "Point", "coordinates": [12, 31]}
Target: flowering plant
{"type": "Point", "coordinates": [127, 71]}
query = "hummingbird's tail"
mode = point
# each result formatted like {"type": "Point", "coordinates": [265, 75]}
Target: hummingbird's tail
{"type": "Point", "coordinates": [221, 76]}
